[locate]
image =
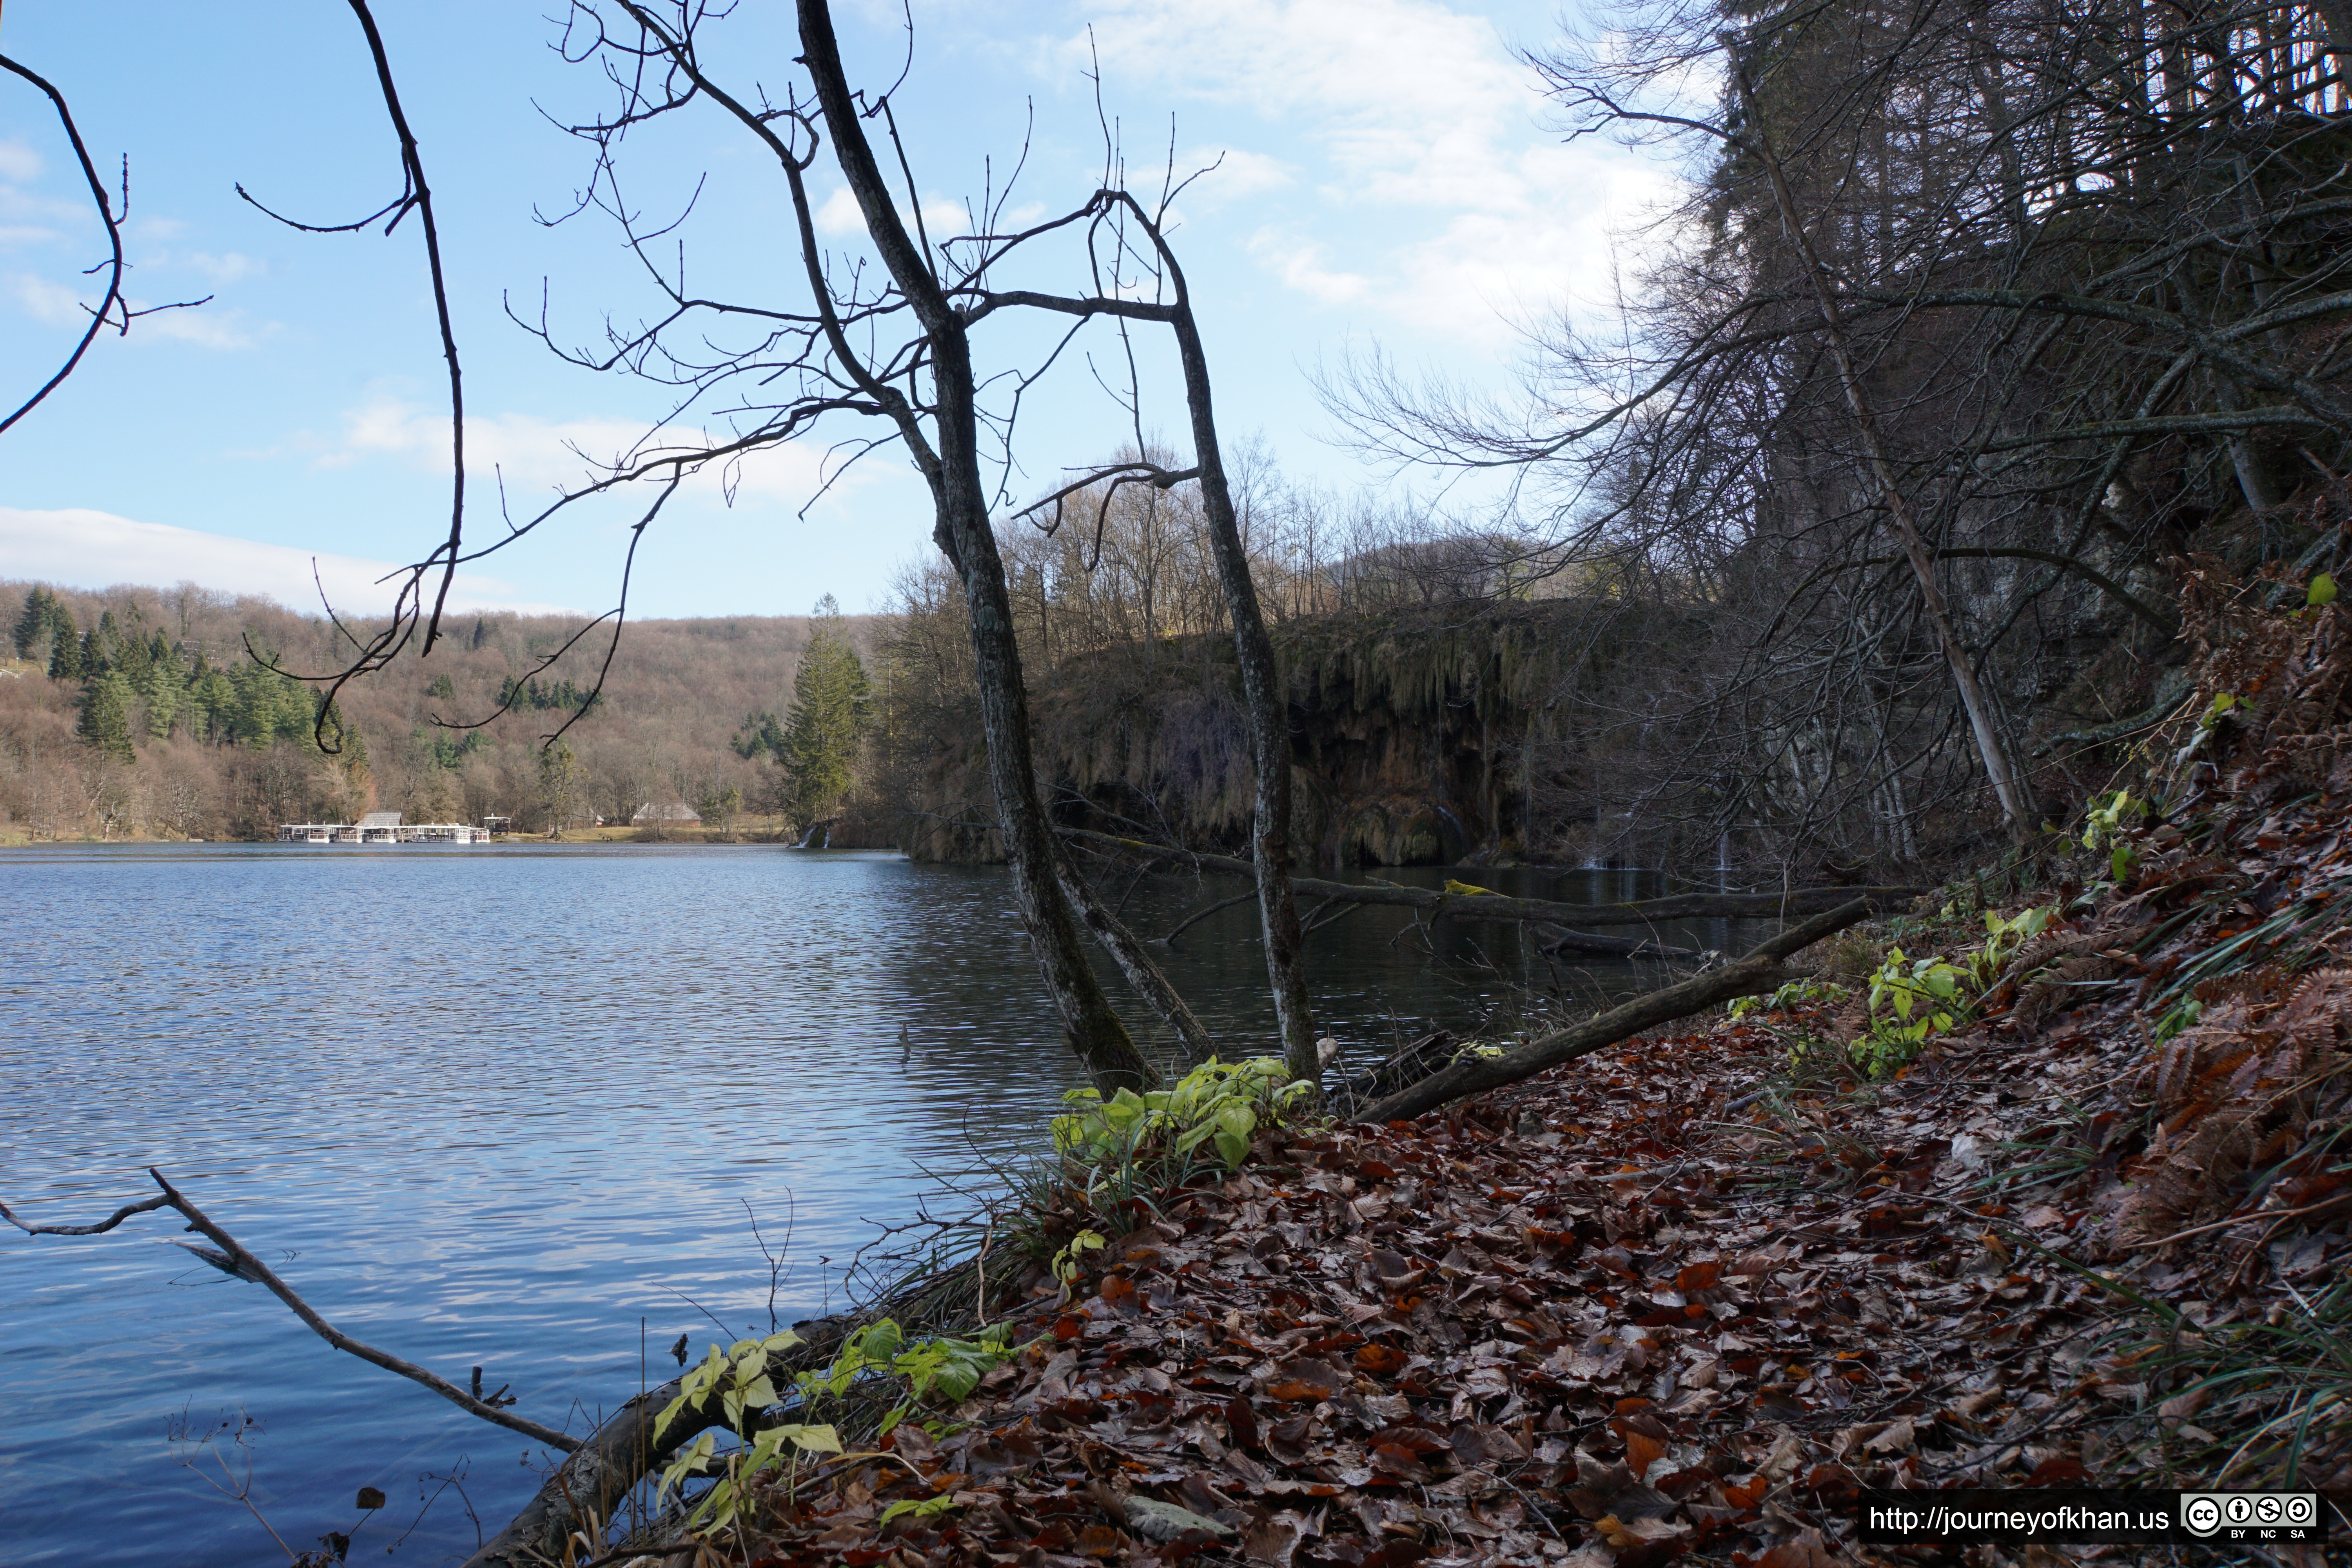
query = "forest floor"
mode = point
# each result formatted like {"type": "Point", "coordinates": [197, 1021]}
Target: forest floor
{"type": "Point", "coordinates": [1674, 1303]}
{"type": "Point", "coordinates": [1682, 1300]}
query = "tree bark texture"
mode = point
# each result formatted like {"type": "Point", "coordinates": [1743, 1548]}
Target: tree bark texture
{"type": "Point", "coordinates": [1759, 971]}
{"type": "Point", "coordinates": [964, 535]}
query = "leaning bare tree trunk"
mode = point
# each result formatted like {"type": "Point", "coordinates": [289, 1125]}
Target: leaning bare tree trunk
{"type": "Point", "coordinates": [1262, 695]}
{"type": "Point", "coordinates": [1759, 971]}
{"type": "Point", "coordinates": [2016, 802]}
{"type": "Point", "coordinates": [1269, 713]}
{"type": "Point", "coordinates": [1149, 981]}
{"type": "Point", "coordinates": [963, 533]}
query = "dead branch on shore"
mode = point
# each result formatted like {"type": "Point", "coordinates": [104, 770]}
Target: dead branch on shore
{"type": "Point", "coordinates": [1486, 906]}
{"type": "Point", "coordinates": [235, 1258]}
{"type": "Point", "coordinates": [1759, 971]}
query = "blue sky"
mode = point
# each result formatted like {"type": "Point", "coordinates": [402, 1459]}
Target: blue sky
{"type": "Point", "coordinates": [1388, 180]}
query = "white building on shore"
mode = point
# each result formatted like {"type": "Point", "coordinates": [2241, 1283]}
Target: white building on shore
{"type": "Point", "coordinates": [381, 827]}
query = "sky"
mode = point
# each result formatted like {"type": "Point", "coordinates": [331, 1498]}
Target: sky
{"type": "Point", "coordinates": [1385, 181]}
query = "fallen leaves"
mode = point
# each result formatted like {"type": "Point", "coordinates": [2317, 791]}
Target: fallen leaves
{"type": "Point", "coordinates": [1669, 1303]}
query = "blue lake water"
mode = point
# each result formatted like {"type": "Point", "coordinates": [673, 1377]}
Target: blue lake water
{"type": "Point", "coordinates": [514, 1108]}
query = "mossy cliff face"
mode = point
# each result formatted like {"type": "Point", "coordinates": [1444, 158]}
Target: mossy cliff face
{"type": "Point", "coordinates": [1405, 727]}
{"type": "Point", "coordinates": [1598, 726]}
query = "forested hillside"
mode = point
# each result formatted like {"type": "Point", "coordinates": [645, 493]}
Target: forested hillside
{"type": "Point", "coordinates": [149, 713]}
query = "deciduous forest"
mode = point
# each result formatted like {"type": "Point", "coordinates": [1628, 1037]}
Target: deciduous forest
{"type": "Point", "coordinates": [141, 712]}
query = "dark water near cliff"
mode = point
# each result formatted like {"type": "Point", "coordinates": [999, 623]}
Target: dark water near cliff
{"type": "Point", "coordinates": [501, 1106]}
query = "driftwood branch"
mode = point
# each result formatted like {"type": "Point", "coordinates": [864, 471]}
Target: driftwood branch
{"type": "Point", "coordinates": [1585, 941]}
{"type": "Point", "coordinates": [1497, 906]}
{"type": "Point", "coordinates": [1759, 971]}
{"type": "Point", "coordinates": [236, 1258]}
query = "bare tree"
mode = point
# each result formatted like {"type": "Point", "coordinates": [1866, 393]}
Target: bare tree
{"type": "Point", "coordinates": [1979, 312]}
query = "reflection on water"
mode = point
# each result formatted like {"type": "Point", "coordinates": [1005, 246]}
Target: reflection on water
{"type": "Point", "coordinates": [517, 1108]}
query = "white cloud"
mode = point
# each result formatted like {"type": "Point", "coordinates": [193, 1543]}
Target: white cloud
{"type": "Point", "coordinates": [18, 161]}
{"type": "Point", "coordinates": [96, 550]}
{"type": "Point", "coordinates": [53, 304]}
{"type": "Point", "coordinates": [1231, 173]}
{"type": "Point", "coordinates": [206, 326]}
{"type": "Point", "coordinates": [838, 214]}
{"type": "Point", "coordinates": [839, 217]}
{"type": "Point", "coordinates": [1299, 264]}
{"type": "Point", "coordinates": [228, 269]}
{"type": "Point", "coordinates": [536, 456]}
{"type": "Point", "coordinates": [1443, 203]}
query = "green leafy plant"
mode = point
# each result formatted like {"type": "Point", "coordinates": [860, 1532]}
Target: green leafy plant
{"type": "Point", "coordinates": [939, 1370]}
{"type": "Point", "coordinates": [927, 1508]}
{"type": "Point", "coordinates": [1066, 1266]}
{"type": "Point", "coordinates": [1910, 999]}
{"type": "Point", "coordinates": [1218, 1103]}
{"type": "Point", "coordinates": [1796, 994]}
{"type": "Point", "coordinates": [738, 1375]}
{"type": "Point", "coordinates": [2003, 937]}
{"type": "Point", "coordinates": [724, 1501]}
{"type": "Point", "coordinates": [2105, 818]}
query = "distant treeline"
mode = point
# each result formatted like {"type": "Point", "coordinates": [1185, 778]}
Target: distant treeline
{"type": "Point", "coordinates": [139, 711]}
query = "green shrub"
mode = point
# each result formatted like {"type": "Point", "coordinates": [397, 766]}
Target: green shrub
{"type": "Point", "coordinates": [1219, 1103]}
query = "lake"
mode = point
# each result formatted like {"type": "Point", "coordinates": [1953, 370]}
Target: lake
{"type": "Point", "coordinates": [518, 1108]}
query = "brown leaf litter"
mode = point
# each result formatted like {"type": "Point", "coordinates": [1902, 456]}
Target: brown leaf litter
{"type": "Point", "coordinates": [1675, 1303]}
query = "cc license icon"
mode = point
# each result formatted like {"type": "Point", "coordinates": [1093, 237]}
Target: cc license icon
{"type": "Point", "coordinates": [2201, 1514]}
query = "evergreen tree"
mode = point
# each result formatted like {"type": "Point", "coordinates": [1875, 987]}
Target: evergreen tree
{"type": "Point", "coordinates": [94, 661]}
{"type": "Point", "coordinates": [763, 734]}
{"type": "Point", "coordinates": [165, 692]}
{"type": "Point", "coordinates": [128, 652]}
{"type": "Point", "coordinates": [215, 700]}
{"type": "Point", "coordinates": [65, 646]}
{"type": "Point", "coordinates": [827, 716]}
{"type": "Point", "coordinates": [106, 715]}
{"type": "Point", "coordinates": [33, 623]}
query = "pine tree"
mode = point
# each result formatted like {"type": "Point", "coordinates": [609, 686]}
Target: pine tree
{"type": "Point", "coordinates": [165, 691]}
{"type": "Point", "coordinates": [827, 716]}
{"type": "Point", "coordinates": [65, 646]}
{"type": "Point", "coordinates": [33, 624]}
{"type": "Point", "coordinates": [106, 715]}
{"type": "Point", "coordinates": [216, 703]}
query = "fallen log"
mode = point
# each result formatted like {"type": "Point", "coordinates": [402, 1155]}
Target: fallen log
{"type": "Point", "coordinates": [1486, 906]}
{"type": "Point", "coordinates": [1612, 946]}
{"type": "Point", "coordinates": [1759, 971]}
